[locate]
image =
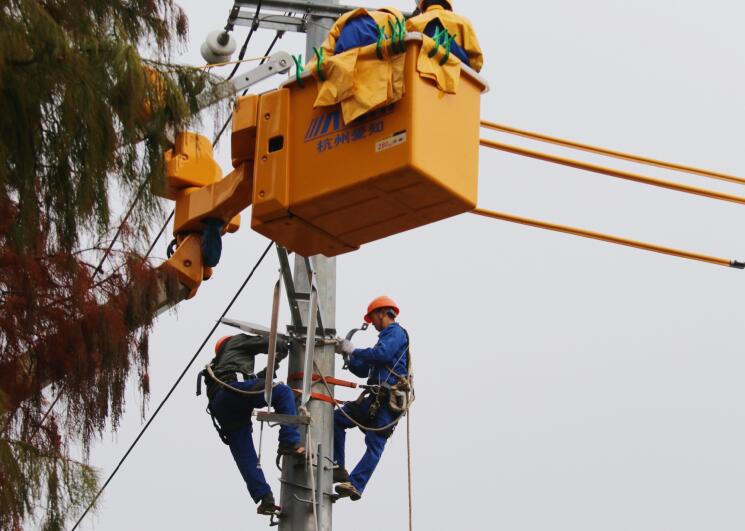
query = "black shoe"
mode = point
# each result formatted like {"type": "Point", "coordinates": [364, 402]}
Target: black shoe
{"type": "Point", "coordinates": [291, 449]}
{"type": "Point", "coordinates": [268, 506]}
{"type": "Point", "coordinates": [341, 475]}
{"type": "Point", "coordinates": [344, 490]}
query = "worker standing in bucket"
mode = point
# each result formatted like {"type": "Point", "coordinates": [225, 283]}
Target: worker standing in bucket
{"type": "Point", "coordinates": [387, 366]}
{"type": "Point", "coordinates": [234, 391]}
{"type": "Point", "coordinates": [437, 16]}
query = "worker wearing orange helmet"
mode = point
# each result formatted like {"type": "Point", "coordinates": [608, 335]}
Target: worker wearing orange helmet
{"type": "Point", "coordinates": [385, 366]}
{"type": "Point", "coordinates": [438, 15]}
{"type": "Point", "coordinates": [234, 391]}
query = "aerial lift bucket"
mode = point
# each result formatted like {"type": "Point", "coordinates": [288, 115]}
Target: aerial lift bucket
{"type": "Point", "coordinates": [325, 187]}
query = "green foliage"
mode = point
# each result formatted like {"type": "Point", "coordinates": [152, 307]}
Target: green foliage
{"type": "Point", "coordinates": [89, 102]}
{"type": "Point", "coordinates": [30, 474]}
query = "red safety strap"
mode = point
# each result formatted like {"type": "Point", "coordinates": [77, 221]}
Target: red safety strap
{"type": "Point", "coordinates": [317, 378]}
{"type": "Point", "coordinates": [321, 397]}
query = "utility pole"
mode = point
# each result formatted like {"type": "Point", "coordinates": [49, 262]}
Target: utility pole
{"type": "Point", "coordinates": [301, 510]}
{"type": "Point", "coordinates": [296, 514]}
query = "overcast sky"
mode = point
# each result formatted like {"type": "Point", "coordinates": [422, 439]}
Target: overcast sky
{"type": "Point", "coordinates": [563, 384]}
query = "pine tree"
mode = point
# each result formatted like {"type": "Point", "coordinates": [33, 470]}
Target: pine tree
{"type": "Point", "coordinates": [84, 121]}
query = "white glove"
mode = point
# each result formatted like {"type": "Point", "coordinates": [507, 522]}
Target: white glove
{"type": "Point", "coordinates": [344, 346]}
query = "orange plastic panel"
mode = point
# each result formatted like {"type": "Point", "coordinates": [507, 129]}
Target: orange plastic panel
{"type": "Point", "coordinates": [190, 164]}
{"type": "Point", "coordinates": [271, 166]}
{"type": "Point", "coordinates": [403, 166]}
{"type": "Point", "coordinates": [223, 199]}
{"type": "Point", "coordinates": [186, 262]}
{"type": "Point", "coordinates": [245, 118]}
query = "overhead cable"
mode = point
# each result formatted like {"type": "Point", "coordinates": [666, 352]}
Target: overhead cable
{"type": "Point", "coordinates": [175, 385]}
{"type": "Point", "coordinates": [611, 153]}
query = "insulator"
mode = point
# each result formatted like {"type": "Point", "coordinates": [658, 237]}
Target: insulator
{"type": "Point", "coordinates": [213, 51]}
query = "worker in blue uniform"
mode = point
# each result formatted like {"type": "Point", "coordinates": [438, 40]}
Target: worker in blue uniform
{"type": "Point", "coordinates": [386, 366]}
{"type": "Point", "coordinates": [229, 377]}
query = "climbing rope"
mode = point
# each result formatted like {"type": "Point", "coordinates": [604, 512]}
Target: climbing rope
{"type": "Point", "coordinates": [611, 153]}
{"type": "Point", "coordinates": [230, 387]}
{"type": "Point", "coordinates": [238, 62]}
{"type": "Point", "coordinates": [408, 466]}
{"type": "Point", "coordinates": [174, 386]}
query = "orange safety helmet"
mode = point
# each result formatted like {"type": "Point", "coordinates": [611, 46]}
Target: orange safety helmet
{"type": "Point", "coordinates": [220, 343]}
{"type": "Point", "coordinates": [381, 302]}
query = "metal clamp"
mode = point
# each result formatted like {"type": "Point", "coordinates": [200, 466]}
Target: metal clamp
{"type": "Point", "coordinates": [278, 63]}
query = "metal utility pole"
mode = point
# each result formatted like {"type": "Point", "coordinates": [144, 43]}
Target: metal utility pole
{"type": "Point", "coordinates": [296, 515]}
{"type": "Point", "coordinates": [301, 510]}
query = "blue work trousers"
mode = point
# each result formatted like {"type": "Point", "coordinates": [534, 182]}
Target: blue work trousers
{"type": "Point", "coordinates": [375, 441]}
{"type": "Point", "coordinates": [233, 412]}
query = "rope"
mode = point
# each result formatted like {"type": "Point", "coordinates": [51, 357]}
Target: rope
{"type": "Point", "coordinates": [238, 62]}
{"type": "Point", "coordinates": [349, 418]}
{"type": "Point", "coordinates": [309, 465]}
{"type": "Point", "coordinates": [230, 387]}
{"type": "Point", "coordinates": [662, 183]}
{"type": "Point", "coordinates": [408, 466]}
{"type": "Point", "coordinates": [175, 385]}
{"type": "Point", "coordinates": [612, 153]}
{"type": "Point", "coordinates": [266, 55]}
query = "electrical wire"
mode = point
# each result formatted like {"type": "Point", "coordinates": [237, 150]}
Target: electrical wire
{"type": "Point", "coordinates": [242, 53]}
{"type": "Point", "coordinates": [266, 56]}
{"type": "Point", "coordinates": [174, 386]}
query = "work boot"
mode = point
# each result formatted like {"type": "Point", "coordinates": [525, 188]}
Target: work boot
{"type": "Point", "coordinates": [291, 449]}
{"type": "Point", "coordinates": [268, 506]}
{"type": "Point", "coordinates": [341, 475]}
{"type": "Point", "coordinates": [346, 489]}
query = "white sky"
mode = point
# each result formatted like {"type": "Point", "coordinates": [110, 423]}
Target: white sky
{"type": "Point", "coordinates": [562, 383]}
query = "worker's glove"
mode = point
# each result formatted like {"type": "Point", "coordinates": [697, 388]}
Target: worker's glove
{"type": "Point", "coordinates": [344, 347]}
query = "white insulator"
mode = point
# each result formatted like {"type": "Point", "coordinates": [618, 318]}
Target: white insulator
{"type": "Point", "coordinates": [210, 56]}
{"type": "Point", "coordinates": [215, 52]}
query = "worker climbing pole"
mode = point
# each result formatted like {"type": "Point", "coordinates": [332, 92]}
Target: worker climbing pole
{"type": "Point", "coordinates": [386, 397]}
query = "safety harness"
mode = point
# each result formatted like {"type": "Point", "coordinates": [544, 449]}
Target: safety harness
{"type": "Point", "coordinates": [398, 396]}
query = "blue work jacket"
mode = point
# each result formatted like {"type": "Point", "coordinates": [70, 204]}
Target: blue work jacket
{"type": "Point", "coordinates": [391, 350]}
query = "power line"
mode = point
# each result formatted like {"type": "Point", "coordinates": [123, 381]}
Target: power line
{"type": "Point", "coordinates": [174, 386]}
{"type": "Point", "coordinates": [242, 53]}
{"type": "Point", "coordinates": [266, 54]}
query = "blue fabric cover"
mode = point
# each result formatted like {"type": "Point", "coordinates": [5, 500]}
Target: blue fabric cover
{"type": "Point", "coordinates": [358, 32]}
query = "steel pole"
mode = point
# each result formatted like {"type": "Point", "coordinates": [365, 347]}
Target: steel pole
{"type": "Point", "coordinates": [299, 515]}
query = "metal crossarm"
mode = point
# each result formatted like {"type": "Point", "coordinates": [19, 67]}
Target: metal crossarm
{"type": "Point", "coordinates": [274, 14]}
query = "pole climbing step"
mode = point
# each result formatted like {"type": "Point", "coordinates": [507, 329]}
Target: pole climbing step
{"type": "Point", "coordinates": [277, 418]}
